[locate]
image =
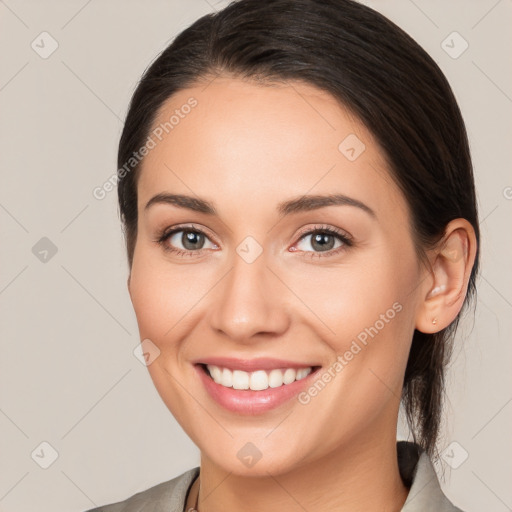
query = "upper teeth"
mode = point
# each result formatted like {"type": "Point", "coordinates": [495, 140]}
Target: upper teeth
{"type": "Point", "coordinates": [258, 380]}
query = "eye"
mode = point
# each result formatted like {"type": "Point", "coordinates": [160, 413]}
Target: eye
{"type": "Point", "coordinates": [184, 240]}
{"type": "Point", "coordinates": [190, 241]}
{"type": "Point", "coordinates": [323, 239]}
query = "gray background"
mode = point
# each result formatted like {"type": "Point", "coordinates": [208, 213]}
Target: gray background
{"type": "Point", "coordinates": [68, 374]}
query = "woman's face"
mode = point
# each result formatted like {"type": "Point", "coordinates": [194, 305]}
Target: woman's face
{"type": "Point", "coordinates": [257, 283]}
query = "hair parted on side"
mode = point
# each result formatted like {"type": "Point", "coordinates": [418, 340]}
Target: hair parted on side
{"type": "Point", "coordinates": [379, 73]}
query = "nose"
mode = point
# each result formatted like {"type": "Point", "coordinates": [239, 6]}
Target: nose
{"type": "Point", "coordinates": [251, 301]}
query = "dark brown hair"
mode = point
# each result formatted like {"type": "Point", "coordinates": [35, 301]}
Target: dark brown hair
{"type": "Point", "coordinates": [385, 78]}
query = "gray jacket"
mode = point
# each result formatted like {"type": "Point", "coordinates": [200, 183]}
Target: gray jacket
{"type": "Point", "coordinates": [425, 494]}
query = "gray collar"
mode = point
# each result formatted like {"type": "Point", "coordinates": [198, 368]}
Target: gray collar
{"type": "Point", "coordinates": [418, 473]}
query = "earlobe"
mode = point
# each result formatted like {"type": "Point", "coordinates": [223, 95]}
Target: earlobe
{"type": "Point", "coordinates": [444, 293]}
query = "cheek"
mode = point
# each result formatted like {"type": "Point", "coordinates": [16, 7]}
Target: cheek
{"type": "Point", "coordinates": [151, 296]}
{"type": "Point", "coordinates": [367, 321]}
{"type": "Point", "coordinates": [160, 305]}
{"type": "Point", "coordinates": [365, 312]}
{"type": "Point", "coordinates": [350, 298]}
{"type": "Point", "coordinates": [165, 295]}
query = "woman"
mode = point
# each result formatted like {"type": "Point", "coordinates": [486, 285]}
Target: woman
{"type": "Point", "coordinates": [297, 195]}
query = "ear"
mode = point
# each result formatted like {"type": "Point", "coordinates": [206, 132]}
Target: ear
{"type": "Point", "coordinates": [444, 289]}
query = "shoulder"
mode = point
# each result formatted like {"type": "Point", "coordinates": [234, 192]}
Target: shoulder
{"type": "Point", "coordinates": [167, 496]}
{"type": "Point", "coordinates": [425, 493]}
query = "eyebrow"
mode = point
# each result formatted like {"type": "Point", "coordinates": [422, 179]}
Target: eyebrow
{"type": "Point", "coordinates": [296, 205]}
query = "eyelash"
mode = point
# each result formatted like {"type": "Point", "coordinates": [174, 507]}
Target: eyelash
{"type": "Point", "coordinates": [343, 237]}
{"type": "Point", "coordinates": [340, 235]}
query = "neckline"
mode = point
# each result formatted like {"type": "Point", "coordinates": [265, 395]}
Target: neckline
{"type": "Point", "coordinates": [408, 455]}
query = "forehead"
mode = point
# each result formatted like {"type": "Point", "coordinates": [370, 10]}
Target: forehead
{"type": "Point", "coordinates": [241, 140]}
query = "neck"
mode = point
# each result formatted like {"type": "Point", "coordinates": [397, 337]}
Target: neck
{"type": "Point", "coordinates": [362, 476]}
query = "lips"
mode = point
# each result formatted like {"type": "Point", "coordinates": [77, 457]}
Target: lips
{"type": "Point", "coordinates": [254, 401]}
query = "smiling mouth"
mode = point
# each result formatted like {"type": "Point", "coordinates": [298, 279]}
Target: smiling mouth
{"type": "Point", "coordinates": [258, 380]}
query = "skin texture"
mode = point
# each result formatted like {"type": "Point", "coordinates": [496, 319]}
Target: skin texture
{"type": "Point", "coordinates": [247, 147]}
